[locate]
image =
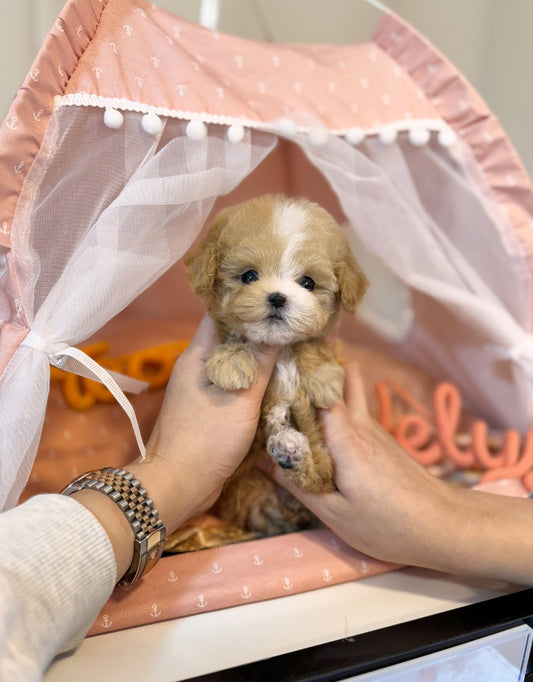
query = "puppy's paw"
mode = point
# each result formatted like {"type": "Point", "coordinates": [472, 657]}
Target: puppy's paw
{"type": "Point", "coordinates": [288, 447]}
{"type": "Point", "coordinates": [317, 476]}
{"type": "Point", "coordinates": [231, 367]}
{"type": "Point", "coordinates": [325, 385]}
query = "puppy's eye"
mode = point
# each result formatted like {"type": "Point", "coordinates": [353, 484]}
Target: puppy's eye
{"type": "Point", "coordinates": [307, 283]}
{"type": "Point", "coordinates": [249, 276]}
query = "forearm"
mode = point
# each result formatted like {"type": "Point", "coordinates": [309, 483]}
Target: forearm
{"type": "Point", "coordinates": [455, 530]}
{"type": "Point", "coordinates": [487, 535]}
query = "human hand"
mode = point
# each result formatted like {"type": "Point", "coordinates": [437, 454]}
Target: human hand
{"type": "Point", "coordinates": [200, 437]}
{"type": "Point", "coordinates": [202, 432]}
{"type": "Point", "coordinates": [390, 507]}
{"type": "Point", "coordinates": [385, 504]}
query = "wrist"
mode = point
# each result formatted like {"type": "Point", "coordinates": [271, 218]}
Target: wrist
{"type": "Point", "coordinates": [115, 524]}
{"type": "Point", "coordinates": [443, 521]}
{"type": "Point", "coordinates": [430, 523]}
{"type": "Point", "coordinates": [175, 497]}
{"type": "Point", "coordinates": [129, 498]}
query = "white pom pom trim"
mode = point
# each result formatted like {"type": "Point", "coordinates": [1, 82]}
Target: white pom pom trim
{"type": "Point", "coordinates": [355, 136]}
{"type": "Point", "coordinates": [318, 136]}
{"type": "Point", "coordinates": [196, 130]}
{"type": "Point", "coordinates": [236, 133]}
{"type": "Point", "coordinates": [447, 137]}
{"type": "Point", "coordinates": [286, 126]}
{"type": "Point", "coordinates": [152, 124]}
{"type": "Point", "coordinates": [113, 118]}
{"type": "Point", "coordinates": [388, 135]}
{"type": "Point", "coordinates": [419, 136]}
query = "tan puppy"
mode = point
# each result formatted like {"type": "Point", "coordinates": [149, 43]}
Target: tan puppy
{"type": "Point", "coordinates": [276, 271]}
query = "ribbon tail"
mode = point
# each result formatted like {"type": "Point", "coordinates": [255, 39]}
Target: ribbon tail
{"type": "Point", "coordinates": [106, 378]}
{"type": "Point", "coordinates": [128, 384]}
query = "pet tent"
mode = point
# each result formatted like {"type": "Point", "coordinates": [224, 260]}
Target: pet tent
{"type": "Point", "coordinates": [133, 125]}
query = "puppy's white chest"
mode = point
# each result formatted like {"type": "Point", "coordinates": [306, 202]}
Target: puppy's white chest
{"type": "Point", "coordinates": [288, 376]}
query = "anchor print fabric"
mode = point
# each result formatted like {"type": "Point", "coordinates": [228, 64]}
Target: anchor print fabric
{"type": "Point", "coordinates": [218, 578]}
{"type": "Point", "coordinates": [185, 584]}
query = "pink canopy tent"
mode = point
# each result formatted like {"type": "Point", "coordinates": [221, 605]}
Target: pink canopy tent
{"type": "Point", "coordinates": [133, 125]}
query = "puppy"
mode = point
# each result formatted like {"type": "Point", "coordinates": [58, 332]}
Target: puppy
{"type": "Point", "coordinates": [277, 271]}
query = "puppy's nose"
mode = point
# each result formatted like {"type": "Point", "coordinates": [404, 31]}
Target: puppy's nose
{"type": "Point", "coordinates": [277, 300]}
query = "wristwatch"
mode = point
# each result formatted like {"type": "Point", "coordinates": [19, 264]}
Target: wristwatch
{"type": "Point", "coordinates": [132, 499]}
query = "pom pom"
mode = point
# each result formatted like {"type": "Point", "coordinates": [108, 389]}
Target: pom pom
{"type": "Point", "coordinates": [236, 133]}
{"type": "Point", "coordinates": [387, 135]}
{"type": "Point", "coordinates": [355, 136]}
{"type": "Point", "coordinates": [152, 124]}
{"type": "Point", "coordinates": [113, 118]}
{"type": "Point", "coordinates": [318, 136]}
{"type": "Point", "coordinates": [447, 137]}
{"type": "Point", "coordinates": [196, 130]}
{"type": "Point", "coordinates": [419, 136]}
{"type": "Point", "coordinates": [286, 126]}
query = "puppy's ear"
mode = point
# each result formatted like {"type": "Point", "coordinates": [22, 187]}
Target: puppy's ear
{"type": "Point", "coordinates": [352, 280]}
{"type": "Point", "coordinates": [202, 260]}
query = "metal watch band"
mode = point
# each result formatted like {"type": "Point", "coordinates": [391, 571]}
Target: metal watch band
{"type": "Point", "coordinates": [128, 494]}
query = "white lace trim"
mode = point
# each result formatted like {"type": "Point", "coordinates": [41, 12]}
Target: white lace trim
{"type": "Point", "coordinates": [283, 124]}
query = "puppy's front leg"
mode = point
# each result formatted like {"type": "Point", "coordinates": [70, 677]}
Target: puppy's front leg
{"type": "Point", "coordinates": [231, 366]}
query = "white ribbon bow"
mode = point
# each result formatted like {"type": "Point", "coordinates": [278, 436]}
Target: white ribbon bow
{"type": "Point", "coordinates": [74, 360]}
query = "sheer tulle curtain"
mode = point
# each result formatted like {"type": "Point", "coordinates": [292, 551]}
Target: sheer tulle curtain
{"type": "Point", "coordinates": [417, 211]}
{"type": "Point", "coordinates": [104, 214]}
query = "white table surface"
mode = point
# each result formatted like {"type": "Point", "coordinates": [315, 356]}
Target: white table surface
{"type": "Point", "coordinates": [195, 645]}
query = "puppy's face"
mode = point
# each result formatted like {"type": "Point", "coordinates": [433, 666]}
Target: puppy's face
{"type": "Point", "coordinates": [275, 270]}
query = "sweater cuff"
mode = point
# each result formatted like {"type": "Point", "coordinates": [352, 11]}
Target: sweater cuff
{"type": "Point", "coordinates": [91, 560]}
{"type": "Point", "coordinates": [66, 577]}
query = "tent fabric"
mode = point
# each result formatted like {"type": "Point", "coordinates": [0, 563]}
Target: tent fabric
{"type": "Point", "coordinates": [132, 123]}
{"type": "Point", "coordinates": [87, 59]}
{"type": "Point", "coordinates": [501, 172]}
{"type": "Point", "coordinates": [106, 257]}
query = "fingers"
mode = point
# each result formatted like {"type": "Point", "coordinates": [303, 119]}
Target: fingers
{"type": "Point", "coordinates": [189, 371]}
{"type": "Point", "coordinates": [205, 336]}
{"type": "Point", "coordinates": [189, 365]}
{"type": "Point", "coordinates": [315, 502]}
{"type": "Point", "coordinates": [354, 392]}
{"type": "Point", "coordinates": [335, 421]}
{"type": "Point", "coordinates": [341, 438]}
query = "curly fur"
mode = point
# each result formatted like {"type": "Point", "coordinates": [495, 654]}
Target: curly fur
{"type": "Point", "coordinates": [277, 271]}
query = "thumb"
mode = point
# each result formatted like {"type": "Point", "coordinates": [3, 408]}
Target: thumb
{"type": "Point", "coordinates": [354, 392]}
{"type": "Point", "coordinates": [338, 432]}
{"type": "Point", "coordinates": [205, 336]}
